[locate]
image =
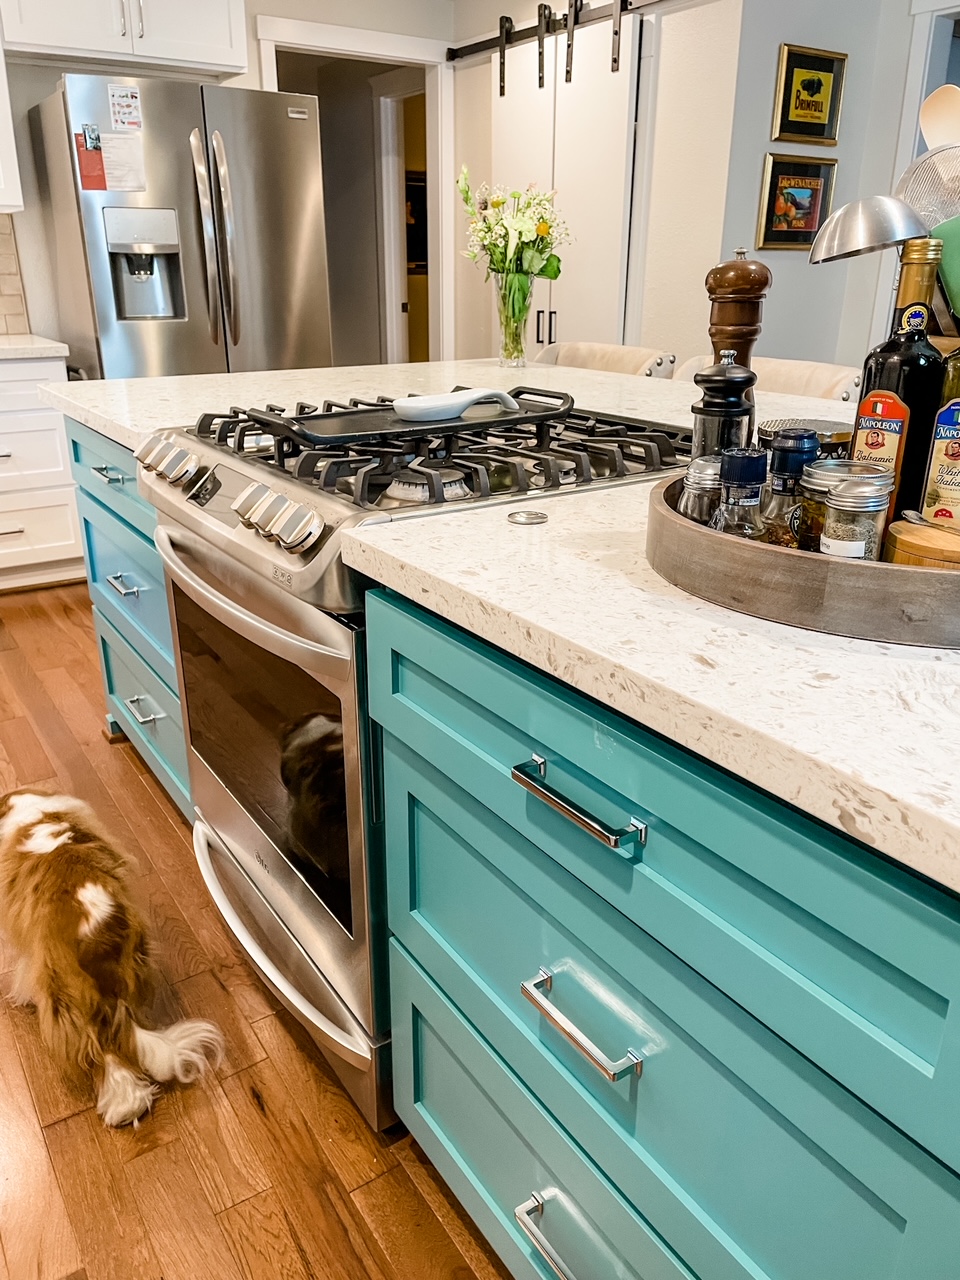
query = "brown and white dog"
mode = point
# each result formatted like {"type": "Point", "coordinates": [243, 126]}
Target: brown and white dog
{"type": "Point", "coordinates": [82, 956]}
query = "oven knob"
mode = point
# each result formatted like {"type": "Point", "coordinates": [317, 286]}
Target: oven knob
{"type": "Point", "coordinates": [268, 512]}
{"type": "Point", "coordinates": [297, 530]}
{"type": "Point", "coordinates": [154, 453]}
{"type": "Point", "coordinates": [180, 467]}
{"type": "Point", "coordinates": [248, 501]}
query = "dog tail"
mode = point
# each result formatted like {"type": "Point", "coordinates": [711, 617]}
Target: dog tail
{"type": "Point", "coordinates": [181, 1051]}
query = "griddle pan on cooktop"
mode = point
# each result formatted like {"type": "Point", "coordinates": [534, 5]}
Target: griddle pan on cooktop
{"type": "Point", "coordinates": [353, 426]}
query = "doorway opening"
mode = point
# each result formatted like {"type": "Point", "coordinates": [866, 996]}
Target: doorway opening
{"type": "Point", "coordinates": [373, 142]}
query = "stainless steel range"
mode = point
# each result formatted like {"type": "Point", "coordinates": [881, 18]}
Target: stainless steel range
{"type": "Point", "coordinates": [269, 627]}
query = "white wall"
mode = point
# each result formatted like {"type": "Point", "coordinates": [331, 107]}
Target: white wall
{"type": "Point", "coordinates": [805, 316]}
{"type": "Point", "coordinates": [429, 18]}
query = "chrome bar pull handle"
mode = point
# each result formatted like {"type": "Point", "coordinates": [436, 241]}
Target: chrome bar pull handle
{"type": "Point", "coordinates": [209, 232]}
{"type": "Point", "coordinates": [631, 1064]}
{"type": "Point", "coordinates": [103, 472]}
{"type": "Point", "coordinates": [229, 235]}
{"type": "Point", "coordinates": [9, 533]}
{"type": "Point", "coordinates": [524, 1214]}
{"type": "Point", "coordinates": [6, 453]}
{"type": "Point", "coordinates": [133, 706]}
{"type": "Point", "coordinates": [140, 19]}
{"type": "Point", "coordinates": [532, 776]}
{"type": "Point", "coordinates": [123, 17]}
{"type": "Point", "coordinates": [116, 581]}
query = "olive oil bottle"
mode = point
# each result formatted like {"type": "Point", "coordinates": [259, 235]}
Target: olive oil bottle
{"type": "Point", "coordinates": [903, 382]}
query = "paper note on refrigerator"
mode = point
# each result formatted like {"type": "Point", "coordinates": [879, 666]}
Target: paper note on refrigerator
{"type": "Point", "coordinates": [125, 110]}
{"type": "Point", "coordinates": [123, 164]}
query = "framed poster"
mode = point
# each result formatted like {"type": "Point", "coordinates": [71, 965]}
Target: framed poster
{"type": "Point", "coordinates": [794, 201]}
{"type": "Point", "coordinates": [809, 91]}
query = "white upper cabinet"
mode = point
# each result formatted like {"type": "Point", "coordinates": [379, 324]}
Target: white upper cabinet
{"type": "Point", "coordinates": [65, 26]}
{"type": "Point", "coordinates": [189, 33]}
{"type": "Point", "coordinates": [212, 32]}
{"type": "Point", "coordinates": [11, 200]}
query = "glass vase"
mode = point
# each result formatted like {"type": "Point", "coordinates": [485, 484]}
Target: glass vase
{"type": "Point", "coordinates": [514, 296]}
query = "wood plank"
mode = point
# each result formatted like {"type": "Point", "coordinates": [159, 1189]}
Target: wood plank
{"type": "Point", "coordinates": [30, 625]}
{"type": "Point", "coordinates": [329, 1230]}
{"type": "Point", "coordinates": [355, 1151]}
{"type": "Point", "coordinates": [447, 1209]}
{"type": "Point", "coordinates": [8, 774]}
{"type": "Point", "coordinates": [232, 969]}
{"type": "Point", "coordinates": [409, 1234]}
{"type": "Point", "coordinates": [102, 1208]}
{"type": "Point", "coordinates": [57, 1091]}
{"type": "Point", "coordinates": [176, 951]}
{"type": "Point", "coordinates": [35, 1232]}
{"type": "Point", "coordinates": [185, 1235]}
{"type": "Point", "coordinates": [263, 1241]}
{"type": "Point", "coordinates": [227, 1167]}
{"type": "Point", "coordinates": [204, 996]}
{"type": "Point", "coordinates": [22, 748]}
{"type": "Point", "coordinates": [10, 704]}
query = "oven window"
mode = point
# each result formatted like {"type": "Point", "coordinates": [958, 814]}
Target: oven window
{"type": "Point", "coordinates": [273, 737]}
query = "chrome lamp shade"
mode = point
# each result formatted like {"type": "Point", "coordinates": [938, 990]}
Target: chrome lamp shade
{"type": "Point", "coordinates": [866, 226]}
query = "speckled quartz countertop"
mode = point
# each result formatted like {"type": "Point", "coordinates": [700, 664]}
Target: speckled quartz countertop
{"type": "Point", "coordinates": [126, 410]}
{"type": "Point", "coordinates": [28, 346]}
{"type": "Point", "coordinates": [864, 736]}
{"type": "Point", "coordinates": [861, 735]}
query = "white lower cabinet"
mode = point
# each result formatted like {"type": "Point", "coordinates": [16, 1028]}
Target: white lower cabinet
{"type": "Point", "coordinates": [39, 527]}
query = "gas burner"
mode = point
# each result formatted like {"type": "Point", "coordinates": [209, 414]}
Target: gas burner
{"type": "Point", "coordinates": [359, 452]}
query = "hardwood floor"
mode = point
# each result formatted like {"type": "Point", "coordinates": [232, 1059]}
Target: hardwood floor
{"type": "Point", "coordinates": [265, 1169]}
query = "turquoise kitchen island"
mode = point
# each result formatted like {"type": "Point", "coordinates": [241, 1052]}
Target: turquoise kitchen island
{"type": "Point", "coordinates": [676, 952]}
{"type": "Point", "coordinates": [673, 892]}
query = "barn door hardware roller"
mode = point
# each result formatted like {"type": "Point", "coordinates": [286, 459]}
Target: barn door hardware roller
{"type": "Point", "coordinates": [548, 24]}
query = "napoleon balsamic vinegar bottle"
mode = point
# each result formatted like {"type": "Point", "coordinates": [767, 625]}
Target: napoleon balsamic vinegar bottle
{"type": "Point", "coordinates": [903, 382]}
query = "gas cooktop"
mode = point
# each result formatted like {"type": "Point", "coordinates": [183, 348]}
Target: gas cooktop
{"type": "Point", "coordinates": [274, 488]}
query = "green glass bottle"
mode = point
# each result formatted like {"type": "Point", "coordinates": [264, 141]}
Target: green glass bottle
{"type": "Point", "coordinates": [903, 382]}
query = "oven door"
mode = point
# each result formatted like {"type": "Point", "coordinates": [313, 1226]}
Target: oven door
{"type": "Point", "coordinates": [272, 700]}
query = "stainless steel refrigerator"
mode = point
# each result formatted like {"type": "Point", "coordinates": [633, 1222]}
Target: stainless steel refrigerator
{"type": "Point", "coordinates": [186, 223]}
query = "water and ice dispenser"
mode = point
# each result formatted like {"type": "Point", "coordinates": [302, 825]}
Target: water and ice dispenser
{"type": "Point", "coordinates": [144, 247]}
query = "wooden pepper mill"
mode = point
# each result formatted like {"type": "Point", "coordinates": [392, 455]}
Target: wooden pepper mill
{"type": "Point", "coordinates": [736, 290]}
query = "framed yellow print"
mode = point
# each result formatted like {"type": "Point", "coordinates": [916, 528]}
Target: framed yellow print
{"type": "Point", "coordinates": [809, 93]}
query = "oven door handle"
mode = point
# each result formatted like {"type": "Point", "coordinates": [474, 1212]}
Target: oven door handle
{"type": "Point", "coordinates": [303, 652]}
{"type": "Point", "coordinates": [349, 1047]}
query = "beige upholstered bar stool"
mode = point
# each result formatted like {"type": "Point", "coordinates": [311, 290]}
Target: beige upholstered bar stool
{"type": "Point", "coordinates": [790, 377]}
{"type": "Point", "coordinates": [610, 357]}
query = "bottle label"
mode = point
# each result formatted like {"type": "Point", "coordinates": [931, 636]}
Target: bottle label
{"type": "Point", "coordinates": [881, 423]}
{"type": "Point", "coordinates": [840, 547]}
{"type": "Point", "coordinates": [914, 318]}
{"type": "Point", "coordinates": [941, 500]}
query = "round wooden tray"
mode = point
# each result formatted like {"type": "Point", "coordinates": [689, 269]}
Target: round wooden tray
{"type": "Point", "coordinates": [870, 600]}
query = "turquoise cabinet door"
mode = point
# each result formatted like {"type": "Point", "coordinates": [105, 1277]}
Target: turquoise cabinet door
{"type": "Point", "coordinates": [108, 471]}
{"type": "Point", "coordinates": [744, 1157]}
{"type": "Point", "coordinates": [850, 959]}
{"type": "Point", "coordinates": [498, 1149]}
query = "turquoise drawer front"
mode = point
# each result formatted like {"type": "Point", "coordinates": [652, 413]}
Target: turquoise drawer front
{"type": "Point", "coordinates": [126, 584]}
{"type": "Point", "coordinates": [497, 1148]}
{"type": "Point", "coordinates": [852, 960]}
{"type": "Point", "coordinates": [147, 710]}
{"type": "Point", "coordinates": [744, 1157]}
{"type": "Point", "coordinates": [109, 472]}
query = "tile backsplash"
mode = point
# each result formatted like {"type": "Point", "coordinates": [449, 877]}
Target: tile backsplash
{"type": "Point", "coordinates": [13, 308]}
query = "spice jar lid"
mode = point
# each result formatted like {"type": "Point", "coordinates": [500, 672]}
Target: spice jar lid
{"type": "Point", "coordinates": [743, 467]}
{"type": "Point", "coordinates": [858, 495]}
{"type": "Point", "coordinates": [703, 472]}
{"type": "Point", "coordinates": [827, 473]}
{"type": "Point", "coordinates": [922, 541]}
{"type": "Point", "coordinates": [827, 432]}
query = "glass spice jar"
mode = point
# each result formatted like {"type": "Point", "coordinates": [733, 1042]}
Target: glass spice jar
{"type": "Point", "coordinates": [819, 478]}
{"type": "Point", "coordinates": [701, 489]}
{"type": "Point", "coordinates": [856, 515]}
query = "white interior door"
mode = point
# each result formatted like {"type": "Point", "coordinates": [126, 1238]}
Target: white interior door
{"type": "Point", "coordinates": [593, 175]}
{"type": "Point", "coordinates": [522, 146]}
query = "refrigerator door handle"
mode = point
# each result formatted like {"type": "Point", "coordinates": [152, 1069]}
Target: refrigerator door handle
{"type": "Point", "coordinates": [229, 236]}
{"type": "Point", "coordinates": [209, 231]}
